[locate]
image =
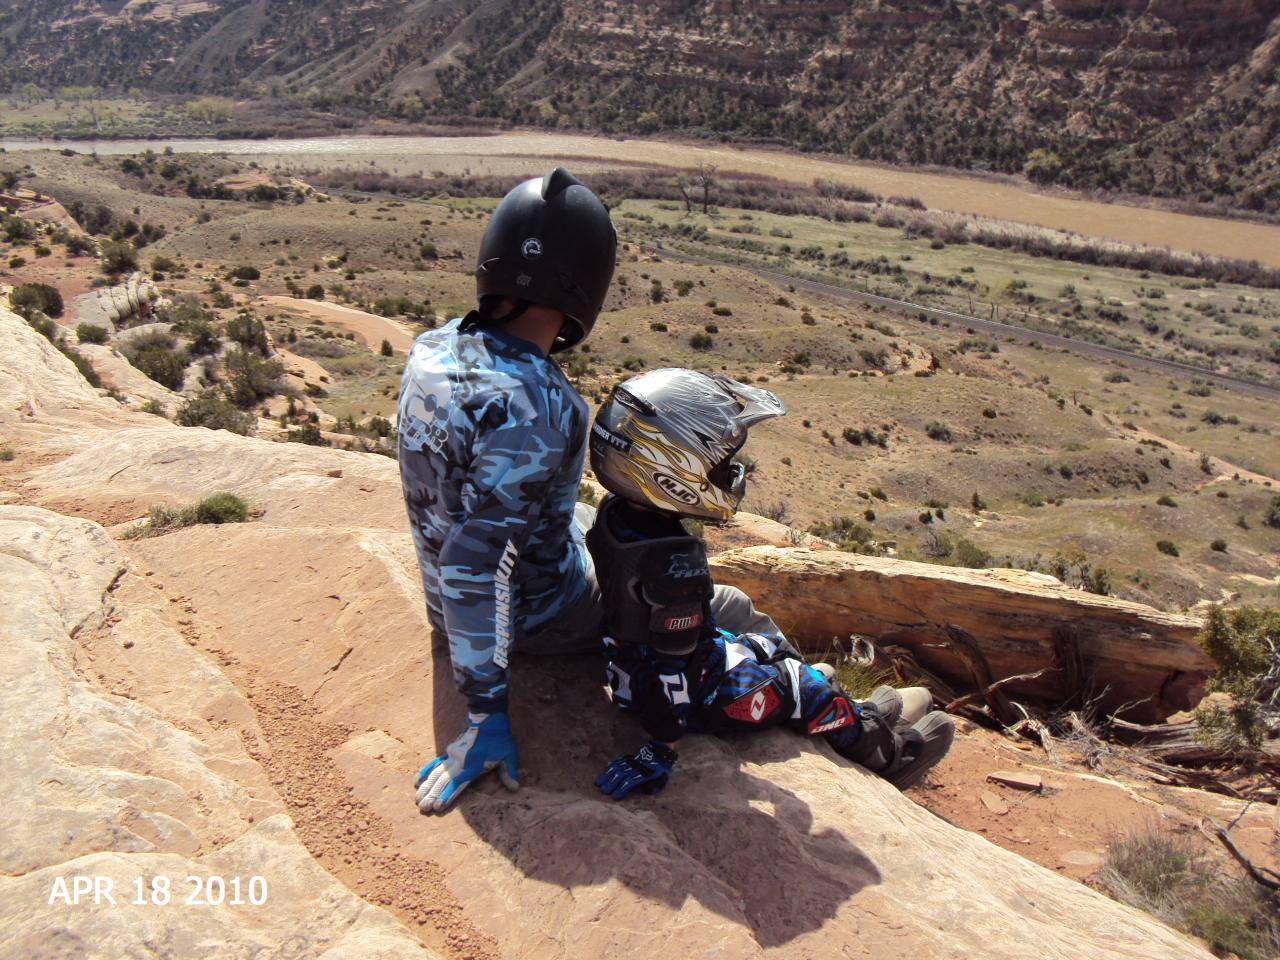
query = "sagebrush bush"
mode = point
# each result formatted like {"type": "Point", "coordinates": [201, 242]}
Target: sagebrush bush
{"type": "Point", "coordinates": [1165, 874]}
{"type": "Point", "coordinates": [1244, 644]}
{"type": "Point", "coordinates": [213, 410]}
{"type": "Point", "coordinates": [1271, 516]}
{"type": "Point", "coordinates": [166, 367]}
{"type": "Point", "coordinates": [936, 430]}
{"type": "Point", "coordinates": [27, 298]}
{"type": "Point", "coordinates": [216, 509]}
{"type": "Point", "coordinates": [848, 534]}
{"type": "Point", "coordinates": [1168, 547]}
{"type": "Point", "coordinates": [222, 508]}
{"type": "Point", "coordinates": [91, 333]}
{"type": "Point", "coordinates": [250, 377]}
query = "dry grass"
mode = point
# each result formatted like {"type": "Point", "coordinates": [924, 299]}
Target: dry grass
{"type": "Point", "coordinates": [1166, 875]}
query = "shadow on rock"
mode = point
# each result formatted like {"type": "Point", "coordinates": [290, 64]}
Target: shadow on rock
{"type": "Point", "coordinates": [737, 843]}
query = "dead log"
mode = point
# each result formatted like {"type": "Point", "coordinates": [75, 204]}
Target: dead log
{"type": "Point", "coordinates": [968, 649]}
{"type": "Point", "coordinates": [1176, 743]}
{"type": "Point", "coordinates": [1126, 648]}
{"type": "Point", "coordinates": [1262, 875]}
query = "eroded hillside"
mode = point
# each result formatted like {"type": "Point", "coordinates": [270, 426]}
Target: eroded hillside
{"type": "Point", "coordinates": [1174, 98]}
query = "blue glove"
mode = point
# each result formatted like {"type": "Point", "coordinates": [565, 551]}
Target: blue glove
{"type": "Point", "coordinates": [486, 743]}
{"type": "Point", "coordinates": [648, 770]}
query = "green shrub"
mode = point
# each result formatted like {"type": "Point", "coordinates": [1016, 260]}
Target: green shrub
{"type": "Point", "coordinates": [1168, 547]}
{"type": "Point", "coordinates": [154, 407]}
{"type": "Point", "coordinates": [1218, 546]}
{"type": "Point", "coordinates": [91, 333]}
{"type": "Point", "coordinates": [222, 508]}
{"type": "Point", "coordinates": [701, 341]}
{"type": "Point", "coordinates": [1167, 501]}
{"type": "Point", "coordinates": [309, 434]}
{"type": "Point", "coordinates": [1164, 874]}
{"type": "Point", "coordinates": [969, 554]}
{"type": "Point", "coordinates": [78, 245]}
{"type": "Point", "coordinates": [213, 410]}
{"type": "Point", "coordinates": [166, 367]}
{"type": "Point", "coordinates": [1243, 644]}
{"type": "Point", "coordinates": [27, 298]}
{"type": "Point", "coordinates": [936, 430]}
{"type": "Point", "coordinates": [248, 331]}
{"type": "Point", "coordinates": [978, 503]}
{"type": "Point", "coordinates": [658, 327]}
{"type": "Point", "coordinates": [848, 534]}
{"type": "Point", "coordinates": [1271, 517]}
{"type": "Point", "coordinates": [246, 273]}
{"type": "Point", "coordinates": [250, 377]}
{"type": "Point", "coordinates": [6, 453]}
{"type": "Point", "coordinates": [386, 349]}
{"type": "Point", "coordinates": [217, 509]}
{"type": "Point", "coordinates": [315, 292]}
{"type": "Point", "coordinates": [204, 339]}
{"type": "Point", "coordinates": [989, 413]}
{"type": "Point", "coordinates": [118, 257]}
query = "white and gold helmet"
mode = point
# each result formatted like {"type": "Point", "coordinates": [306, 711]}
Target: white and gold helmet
{"type": "Point", "coordinates": [667, 440]}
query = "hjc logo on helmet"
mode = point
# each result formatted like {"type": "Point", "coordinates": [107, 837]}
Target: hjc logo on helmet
{"type": "Point", "coordinates": [676, 489]}
{"type": "Point", "coordinates": [531, 248]}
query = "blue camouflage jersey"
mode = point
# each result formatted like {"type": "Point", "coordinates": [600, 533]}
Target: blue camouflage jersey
{"type": "Point", "coordinates": [492, 440]}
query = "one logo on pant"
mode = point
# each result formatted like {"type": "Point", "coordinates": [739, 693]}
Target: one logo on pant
{"type": "Point", "coordinates": [755, 706]}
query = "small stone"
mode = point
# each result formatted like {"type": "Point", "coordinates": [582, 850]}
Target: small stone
{"type": "Point", "coordinates": [1082, 860]}
{"type": "Point", "coordinates": [128, 644]}
{"type": "Point", "coordinates": [334, 473]}
{"type": "Point", "coordinates": [1017, 779]}
{"type": "Point", "coordinates": [993, 803]}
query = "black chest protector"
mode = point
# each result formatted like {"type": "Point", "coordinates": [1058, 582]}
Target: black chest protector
{"type": "Point", "coordinates": [654, 580]}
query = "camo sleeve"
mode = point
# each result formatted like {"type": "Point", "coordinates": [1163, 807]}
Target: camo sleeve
{"type": "Point", "coordinates": [507, 485]}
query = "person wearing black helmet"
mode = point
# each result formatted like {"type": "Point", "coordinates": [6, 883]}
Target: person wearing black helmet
{"type": "Point", "coordinates": [492, 440]}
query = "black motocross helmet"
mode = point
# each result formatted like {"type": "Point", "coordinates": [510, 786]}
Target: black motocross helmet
{"type": "Point", "coordinates": [550, 242]}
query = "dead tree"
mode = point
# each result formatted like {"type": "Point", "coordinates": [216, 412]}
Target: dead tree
{"type": "Point", "coordinates": [706, 179]}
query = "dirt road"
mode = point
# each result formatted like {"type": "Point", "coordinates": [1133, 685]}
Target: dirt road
{"type": "Point", "coordinates": [369, 327]}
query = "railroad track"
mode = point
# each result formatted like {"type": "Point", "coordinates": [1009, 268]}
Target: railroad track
{"type": "Point", "coordinates": [913, 311]}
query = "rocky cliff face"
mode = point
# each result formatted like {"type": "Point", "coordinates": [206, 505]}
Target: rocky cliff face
{"type": "Point", "coordinates": [254, 699]}
{"type": "Point", "coordinates": [1171, 97]}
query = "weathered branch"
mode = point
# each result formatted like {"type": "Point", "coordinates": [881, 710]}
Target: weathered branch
{"type": "Point", "coordinates": [1267, 878]}
{"type": "Point", "coordinates": [985, 693]}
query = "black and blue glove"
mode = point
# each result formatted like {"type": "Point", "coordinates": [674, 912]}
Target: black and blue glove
{"type": "Point", "coordinates": [647, 771]}
{"type": "Point", "coordinates": [486, 744]}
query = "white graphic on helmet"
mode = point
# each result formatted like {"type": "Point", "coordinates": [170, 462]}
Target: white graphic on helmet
{"type": "Point", "coordinates": [531, 248]}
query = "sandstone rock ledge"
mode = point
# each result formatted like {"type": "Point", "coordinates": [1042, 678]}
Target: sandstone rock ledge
{"type": "Point", "coordinates": [100, 785]}
{"type": "Point", "coordinates": [254, 699]}
{"type": "Point", "coordinates": [1018, 618]}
